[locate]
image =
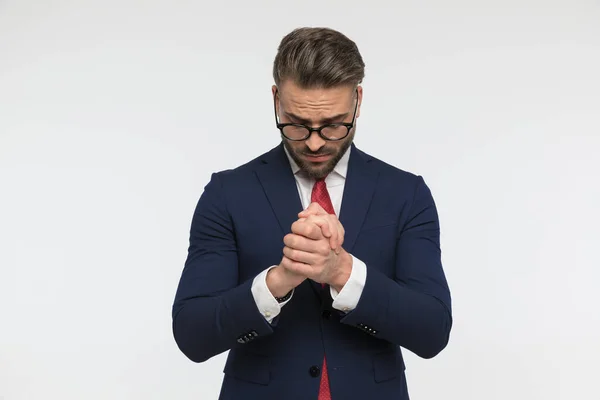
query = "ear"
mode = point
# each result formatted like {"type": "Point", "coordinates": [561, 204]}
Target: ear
{"type": "Point", "coordinates": [359, 91]}
{"type": "Point", "coordinates": [275, 92]}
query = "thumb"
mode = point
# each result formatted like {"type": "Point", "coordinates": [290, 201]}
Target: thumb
{"type": "Point", "coordinates": [313, 209]}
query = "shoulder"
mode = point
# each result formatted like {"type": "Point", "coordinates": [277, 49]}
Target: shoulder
{"type": "Point", "coordinates": [249, 167]}
{"type": "Point", "coordinates": [388, 173]}
{"type": "Point", "coordinates": [398, 185]}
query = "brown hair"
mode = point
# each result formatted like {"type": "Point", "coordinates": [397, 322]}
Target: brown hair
{"type": "Point", "coordinates": [318, 57]}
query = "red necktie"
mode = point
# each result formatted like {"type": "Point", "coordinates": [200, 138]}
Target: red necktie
{"type": "Point", "coordinates": [321, 195]}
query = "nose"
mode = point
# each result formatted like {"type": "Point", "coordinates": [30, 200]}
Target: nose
{"type": "Point", "coordinates": [315, 142]}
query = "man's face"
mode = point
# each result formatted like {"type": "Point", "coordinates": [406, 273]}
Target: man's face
{"type": "Point", "coordinates": [314, 108]}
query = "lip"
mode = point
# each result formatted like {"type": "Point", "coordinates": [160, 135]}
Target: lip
{"type": "Point", "coordinates": [320, 158]}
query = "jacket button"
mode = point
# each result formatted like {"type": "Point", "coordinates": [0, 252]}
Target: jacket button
{"type": "Point", "coordinates": [314, 371]}
{"type": "Point", "coordinates": [326, 314]}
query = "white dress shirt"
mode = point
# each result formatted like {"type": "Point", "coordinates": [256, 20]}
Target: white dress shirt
{"type": "Point", "coordinates": [347, 299]}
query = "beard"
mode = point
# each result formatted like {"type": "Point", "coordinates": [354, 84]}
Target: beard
{"type": "Point", "coordinates": [319, 170]}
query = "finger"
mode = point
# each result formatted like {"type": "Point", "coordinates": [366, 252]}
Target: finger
{"type": "Point", "coordinates": [338, 239]}
{"type": "Point", "coordinates": [300, 242]}
{"type": "Point", "coordinates": [324, 223]}
{"type": "Point", "coordinates": [329, 227]}
{"type": "Point", "coordinates": [287, 271]}
{"type": "Point", "coordinates": [341, 234]}
{"type": "Point", "coordinates": [333, 242]}
{"type": "Point", "coordinates": [307, 229]}
{"type": "Point", "coordinates": [300, 255]}
{"type": "Point", "coordinates": [296, 268]}
{"type": "Point", "coordinates": [313, 209]}
{"type": "Point", "coordinates": [315, 249]}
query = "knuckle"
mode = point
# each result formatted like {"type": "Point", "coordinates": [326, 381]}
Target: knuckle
{"type": "Point", "coordinates": [291, 254]}
{"type": "Point", "coordinates": [287, 239]}
{"type": "Point", "coordinates": [292, 268]}
{"type": "Point", "coordinates": [295, 241]}
{"type": "Point", "coordinates": [286, 263]}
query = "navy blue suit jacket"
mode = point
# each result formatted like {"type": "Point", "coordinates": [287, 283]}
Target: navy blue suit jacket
{"type": "Point", "coordinates": [391, 224]}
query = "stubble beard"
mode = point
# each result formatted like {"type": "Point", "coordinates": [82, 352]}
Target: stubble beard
{"type": "Point", "coordinates": [318, 170]}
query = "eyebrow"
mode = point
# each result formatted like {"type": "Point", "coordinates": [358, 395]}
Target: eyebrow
{"type": "Point", "coordinates": [330, 120]}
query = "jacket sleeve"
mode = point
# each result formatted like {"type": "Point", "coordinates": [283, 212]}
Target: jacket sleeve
{"type": "Point", "coordinates": [412, 310]}
{"type": "Point", "coordinates": [213, 311]}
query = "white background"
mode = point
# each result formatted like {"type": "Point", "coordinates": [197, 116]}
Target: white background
{"type": "Point", "coordinates": [113, 114]}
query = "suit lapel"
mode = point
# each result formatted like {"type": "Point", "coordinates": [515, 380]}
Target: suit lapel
{"type": "Point", "coordinates": [279, 184]}
{"type": "Point", "coordinates": [361, 181]}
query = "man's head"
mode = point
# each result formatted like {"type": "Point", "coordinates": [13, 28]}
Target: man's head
{"type": "Point", "coordinates": [317, 74]}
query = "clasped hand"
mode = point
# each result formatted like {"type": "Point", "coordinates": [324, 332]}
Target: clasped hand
{"type": "Point", "coordinates": [314, 249]}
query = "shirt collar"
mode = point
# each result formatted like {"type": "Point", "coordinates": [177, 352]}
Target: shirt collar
{"type": "Point", "coordinates": [341, 168]}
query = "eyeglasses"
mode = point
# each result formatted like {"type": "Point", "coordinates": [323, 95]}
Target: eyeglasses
{"type": "Point", "coordinates": [300, 132]}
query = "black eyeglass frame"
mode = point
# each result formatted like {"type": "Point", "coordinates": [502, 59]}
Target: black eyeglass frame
{"type": "Point", "coordinates": [348, 125]}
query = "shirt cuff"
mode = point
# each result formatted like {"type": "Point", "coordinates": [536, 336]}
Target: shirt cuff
{"type": "Point", "coordinates": [347, 299]}
{"type": "Point", "coordinates": [267, 305]}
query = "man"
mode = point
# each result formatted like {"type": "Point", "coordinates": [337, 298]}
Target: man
{"type": "Point", "coordinates": [312, 306]}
